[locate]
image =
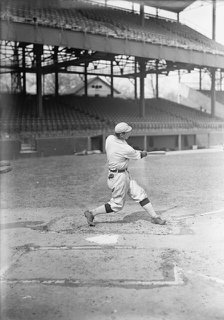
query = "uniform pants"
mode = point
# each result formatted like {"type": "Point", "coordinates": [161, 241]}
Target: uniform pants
{"type": "Point", "coordinates": [122, 184]}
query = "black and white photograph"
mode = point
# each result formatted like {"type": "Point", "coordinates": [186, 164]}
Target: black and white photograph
{"type": "Point", "coordinates": [111, 159]}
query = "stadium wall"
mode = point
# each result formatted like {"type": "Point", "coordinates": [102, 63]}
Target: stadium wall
{"type": "Point", "coordinates": [215, 138]}
{"type": "Point", "coordinates": [96, 143]}
{"type": "Point", "coordinates": [169, 142]}
{"type": "Point", "coordinates": [55, 146]}
{"type": "Point", "coordinates": [60, 146]}
{"type": "Point", "coordinates": [187, 141]}
{"type": "Point", "coordinates": [202, 140]}
{"type": "Point", "coordinates": [9, 149]}
{"type": "Point", "coordinates": [137, 142]}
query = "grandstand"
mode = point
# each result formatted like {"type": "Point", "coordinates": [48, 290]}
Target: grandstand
{"type": "Point", "coordinates": [73, 116]}
{"type": "Point", "coordinates": [56, 37]}
{"type": "Point", "coordinates": [95, 18]}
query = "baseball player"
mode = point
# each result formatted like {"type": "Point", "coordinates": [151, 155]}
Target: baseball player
{"type": "Point", "coordinates": [119, 180]}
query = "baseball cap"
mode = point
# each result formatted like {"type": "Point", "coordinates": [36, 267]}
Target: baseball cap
{"type": "Point", "coordinates": [122, 127]}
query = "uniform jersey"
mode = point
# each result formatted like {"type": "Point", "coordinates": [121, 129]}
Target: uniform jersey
{"type": "Point", "coordinates": [119, 152]}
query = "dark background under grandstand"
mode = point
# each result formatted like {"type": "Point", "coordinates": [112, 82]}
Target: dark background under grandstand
{"type": "Point", "coordinates": [78, 34]}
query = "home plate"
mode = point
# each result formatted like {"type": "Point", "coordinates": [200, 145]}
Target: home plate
{"type": "Point", "coordinates": [104, 239]}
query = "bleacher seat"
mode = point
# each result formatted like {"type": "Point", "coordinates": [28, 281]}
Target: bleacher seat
{"type": "Point", "coordinates": [72, 113]}
{"type": "Point", "coordinates": [114, 22]}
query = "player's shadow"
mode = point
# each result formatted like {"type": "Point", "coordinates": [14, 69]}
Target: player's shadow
{"type": "Point", "coordinates": [133, 217]}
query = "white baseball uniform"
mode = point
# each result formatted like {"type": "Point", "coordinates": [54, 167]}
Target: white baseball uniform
{"type": "Point", "coordinates": [119, 152]}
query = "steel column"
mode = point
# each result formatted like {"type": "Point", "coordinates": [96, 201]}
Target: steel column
{"type": "Point", "coordinates": [38, 50]}
{"type": "Point", "coordinates": [56, 86]}
{"type": "Point", "coordinates": [142, 87]}
{"type": "Point", "coordinates": [112, 79]}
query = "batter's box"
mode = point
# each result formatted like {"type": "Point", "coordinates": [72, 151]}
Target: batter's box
{"type": "Point", "coordinates": [95, 266]}
{"type": "Point", "coordinates": [139, 222]}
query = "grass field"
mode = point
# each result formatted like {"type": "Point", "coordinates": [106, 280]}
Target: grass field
{"type": "Point", "coordinates": [192, 181]}
{"type": "Point", "coordinates": [45, 237]}
{"type": "Point", "coordinates": [57, 190]}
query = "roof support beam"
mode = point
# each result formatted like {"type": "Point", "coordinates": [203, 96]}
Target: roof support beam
{"type": "Point", "coordinates": [56, 82]}
{"type": "Point", "coordinates": [142, 15]}
{"type": "Point", "coordinates": [214, 19]}
{"type": "Point", "coordinates": [86, 80]}
{"type": "Point", "coordinates": [142, 87]}
{"type": "Point", "coordinates": [24, 66]}
{"type": "Point", "coordinates": [136, 80]}
{"type": "Point", "coordinates": [213, 72]}
{"type": "Point", "coordinates": [38, 52]}
{"type": "Point", "coordinates": [213, 95]}
{"type": "Point", "coordinates": [157, 80]}
{"type": "Point", "coordinates": [112, 79]}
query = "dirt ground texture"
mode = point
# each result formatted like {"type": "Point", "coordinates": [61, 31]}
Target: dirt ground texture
{"type": "Point", "coordinates": [53, 266]}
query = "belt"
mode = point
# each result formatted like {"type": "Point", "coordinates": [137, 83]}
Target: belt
{"type": "Point", "coordinates": [123, 170]}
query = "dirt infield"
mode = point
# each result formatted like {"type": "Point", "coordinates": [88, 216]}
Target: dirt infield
{"type": "Point", "coordinates": [53, 266]}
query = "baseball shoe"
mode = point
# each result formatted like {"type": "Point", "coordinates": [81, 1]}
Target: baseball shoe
{"type": "Point", "coordinates": [158, 220]}
{"type": "Point", "coordinates": [89, 216]}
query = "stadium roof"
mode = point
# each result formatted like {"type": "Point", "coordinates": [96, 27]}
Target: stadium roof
{"type": "Point", "coordinates": [169, 5]}
{"type": "Point", "coordinates": [77, 26]}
